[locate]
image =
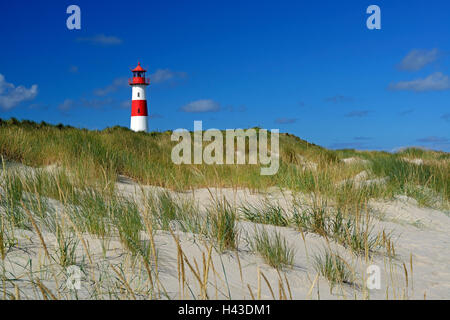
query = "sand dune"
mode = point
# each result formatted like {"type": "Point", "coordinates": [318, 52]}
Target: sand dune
{"type": "Point", "coordinates": [420, 234]}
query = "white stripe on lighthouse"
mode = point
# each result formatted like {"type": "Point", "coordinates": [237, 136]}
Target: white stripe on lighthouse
{"type": "Point", "coordinates": [139, 123]}
{"type": "Point", "coordinates": [138, 92]}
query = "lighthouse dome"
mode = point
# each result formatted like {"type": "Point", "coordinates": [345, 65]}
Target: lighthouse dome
{"type": "Point", "coordinates": [139, 68]}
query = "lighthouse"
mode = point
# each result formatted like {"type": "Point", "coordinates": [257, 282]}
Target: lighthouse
{"type": "Point", "coordinates": [138, 100]}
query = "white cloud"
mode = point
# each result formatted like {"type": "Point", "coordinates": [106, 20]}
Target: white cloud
{"type": "Point", "coordinates": [433, 139]}
{"type": "Point", "coordinates": [125, 104]}
{"type": "Point", "coordinates": [11, 96]}
{"type": "Point", "coordinates": [163, 75]}
{"type": "Point", "coordinates": [434, 82]}
{"type": "Point", "coordinates": [205, 105]}
{"type": "Point", "coordinates": [101, 39]}
{"type": "Point", "coordinates": [434, 142]}
{"type": "Point", "coordinates": [116, 84]}
{"type": "Point", "coordinates": [66, 105]}
{"type": "Point", "coordinates": [97, 103]}
{"type": "Point", "coordinates": [160, 75]}
{"type": "Point", "coordinates": [417, 59]}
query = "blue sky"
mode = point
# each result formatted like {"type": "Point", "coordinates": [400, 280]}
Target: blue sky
{"type": "Point", "coordinates": [311, 68]}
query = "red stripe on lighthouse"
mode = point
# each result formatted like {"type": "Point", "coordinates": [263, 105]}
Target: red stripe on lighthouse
{"type": "Point", "coordinates": [138, 108]}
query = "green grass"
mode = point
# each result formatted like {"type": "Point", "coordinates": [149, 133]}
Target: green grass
{"type": "Point", "coordinates": [96, 158]}
{"type": "Point", "coordinates": [353, 231]}
{"type": "Point", "coordinates": [7, 239]}
{"type": "Point", "coordinates": [221, 221]}
{"type": "Point", "coordinates": [66, 247]}
{"type": "Point", "coordinates": [273, 248]}
{"type": "Point", "coordinates": [171, 212]}
{"type": "Point", "coordinates": [333, 267]}
{"type": "Point", "coordinates": [312, 218]}
{"type": "Point", "coordinates": [402, 174]}
{"type": "Point", "coordinates": [265, 213]}
{"type": "Point", "coordinates": [126, 218]}
{"type": "Point", "coordinates": [11, 200]}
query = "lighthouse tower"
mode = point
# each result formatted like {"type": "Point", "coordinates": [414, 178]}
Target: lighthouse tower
{"type": "Point", "coordinates": [138, 100]}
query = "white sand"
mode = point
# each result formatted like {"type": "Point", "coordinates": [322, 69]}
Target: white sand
{"type": "Point", "coordinates": [420, 232]}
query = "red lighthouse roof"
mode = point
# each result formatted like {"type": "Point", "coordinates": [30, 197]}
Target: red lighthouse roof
{"type": "Point", "coordinates": [139, 76]}
{"type": "Point", "coordinates": [139, 68]}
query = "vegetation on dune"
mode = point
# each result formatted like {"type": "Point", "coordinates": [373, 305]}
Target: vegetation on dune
{"type": "Point", "coordinates": [221, 222]}
{"type": "Point", "coordinates": [273, 248]}
{"type": "Point", "coordinates": [333, 268]}
{"type": "Point", "coordinates": [266, 213]}
{"type": "Point", "coordinates": [98, 157]}
{"type": "Point", "coordinates": [77, 198]}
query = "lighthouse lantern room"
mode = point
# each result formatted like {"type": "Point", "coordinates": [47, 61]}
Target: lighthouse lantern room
{"type": "Point", "coordinates": [138, 100]}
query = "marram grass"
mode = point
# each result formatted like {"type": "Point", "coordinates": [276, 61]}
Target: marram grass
{"type": "Point", "coordinates": [97, 158]}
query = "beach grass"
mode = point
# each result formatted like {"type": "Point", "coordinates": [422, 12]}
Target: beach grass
{"type": "Point", "coordinates": [97, 157]}
{"type": "Point", "coordinates": [273, 248]}
{"type": "Point", "coordinates": [69, 193]}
